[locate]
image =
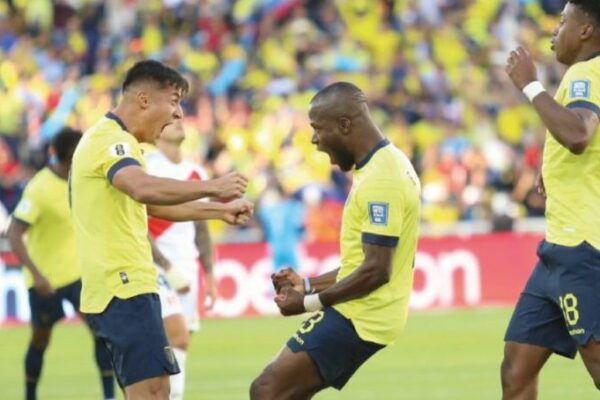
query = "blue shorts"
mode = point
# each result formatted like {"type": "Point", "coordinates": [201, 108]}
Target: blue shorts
{"type": "Point", "coordinates": [333, 344]}
{"type": "Point", "coordinates": [47, 310]}
{"type": "Point", "coordinates": [559, 307]}
{"type": "Point", "coordinates": [132, 330]}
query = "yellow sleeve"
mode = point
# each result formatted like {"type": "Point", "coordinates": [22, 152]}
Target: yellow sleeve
{"type": "Point", "coordinates": [380, 204]}
{"type": "Point", "coordinates": [582, 87]}
{"type": "Point", "coordinates": [28, 209]}
{"type": "Point", "coordinates": [118, 153]}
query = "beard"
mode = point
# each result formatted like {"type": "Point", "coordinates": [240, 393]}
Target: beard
{"type": "Point", "coordinates": [343, 159]}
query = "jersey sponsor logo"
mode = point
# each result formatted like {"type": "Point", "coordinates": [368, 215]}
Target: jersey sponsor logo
{"type": "Point", "coordinates": [378, 213]}
{"type": "Point", "coordinates": [580, 89]}
{"type": "Point", "coordinates": [121, 149]}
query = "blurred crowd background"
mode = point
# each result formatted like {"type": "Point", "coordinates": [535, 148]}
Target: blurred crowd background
{"type": "Point", "coordinates": [433, 71]}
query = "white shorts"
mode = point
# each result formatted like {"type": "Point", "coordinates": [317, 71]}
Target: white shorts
{"type": "Point", "coordinates": [176, 303]}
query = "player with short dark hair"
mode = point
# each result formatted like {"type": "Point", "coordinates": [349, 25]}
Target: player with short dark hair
{"type": "Point", "coordinates": [49, 255]}
{"type": "Point", "coordinates": [362, 306]}
{"type": "Point", "coordinates": [557, 311]}
{"type": "Point", "coordinates": [111, 197]}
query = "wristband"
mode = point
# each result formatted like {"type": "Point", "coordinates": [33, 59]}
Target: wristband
{"type": "Point", "coordinates": [532, 89]}
{"type": "Point", "coordinates": [308, 289]}
{"type": "Point", "coordinates": [312, 303]}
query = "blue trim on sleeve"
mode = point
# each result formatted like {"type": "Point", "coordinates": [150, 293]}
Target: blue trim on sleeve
{"type": "Point", "coordinates": [19, 220]}
{"type": "Point", "coordinates": [114, 117]}
{"type": "Point", "coordinates": [124, 162]}
{"type": "Point", "coordinates": [380, 240]}
{"type": "Point", "coordinates": [365, 160]}
{"type": "Point", "coordinates": [585, 104]}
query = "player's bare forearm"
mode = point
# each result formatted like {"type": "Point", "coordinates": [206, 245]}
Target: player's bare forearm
{"type": "Point", "coordinates": [15, 234]}
{"type": "Point", "coordinates": [158, 256]}
{"type": "Point", "coordinates": [190, 211]}
{"type": "Point", "coordinates": [572, 128]}
{"type": "Point", "coordinates": [153, 190]}
{"type": "Point", "coordinates": [322, 282]}
{"type": "Point", "coordinates": [204, 245]}
{"type": "Point", "coordinates": [374, 272]}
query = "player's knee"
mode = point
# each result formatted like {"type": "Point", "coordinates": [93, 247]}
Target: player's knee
{"type": "Point", "coordinates": [262, 388]}
{"type": "Point", "coordinates": [40, 339]}
{"type": "Point", "coordinates": [512, 376]}
{"type": "Point", "coordinates": [180, 340]}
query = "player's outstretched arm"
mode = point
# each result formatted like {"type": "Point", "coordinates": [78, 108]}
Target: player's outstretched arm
{"type": "Point", "coordinates": [573, 128]}
{"type": "Point", "coordinates": [16, 233]}
{"type": "Point", "coordinates": [237, 212]}
{"type": "Point", "coordinates": [152, 190]}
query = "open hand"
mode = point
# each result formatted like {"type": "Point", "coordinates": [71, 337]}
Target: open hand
{"type": "Point", "coordinates": [520, 68]}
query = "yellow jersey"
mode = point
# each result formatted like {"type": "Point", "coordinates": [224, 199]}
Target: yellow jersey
{"type": "Point", "coordinates": [383, 208]}
{"type": "Point", "coordinates": [572, 182]}
{"type": "Point", "coordinates": [50, 239]}
{"type": "Point", "coordinates": [111, 228]}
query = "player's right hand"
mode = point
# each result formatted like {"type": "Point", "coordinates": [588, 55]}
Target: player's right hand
{"type": "Point", "coordinates": [520, 68]}
{"type": "Point", "coordinates": [231, 186]}
{"type": "Point", "coordinates": [287, 277]}
{"type": "Point", "coordinates": [178, 280]}
{"type": "Point", "coordinates": [42, 285]}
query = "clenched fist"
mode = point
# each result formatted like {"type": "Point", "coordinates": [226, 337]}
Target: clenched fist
{"type": "Point", "coordinates": [230, 186]}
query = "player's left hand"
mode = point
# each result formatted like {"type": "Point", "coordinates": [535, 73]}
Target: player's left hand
{"type": "Point", "coordinates": [290, 302]}
{"type": "Point", "coordinates": [520, 68]}
{"type": "Point", "coordinates": [238, 212]}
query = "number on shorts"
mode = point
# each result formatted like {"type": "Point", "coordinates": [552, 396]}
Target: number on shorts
{"type": "Point", "coordinates": [568, 304]}
{"type": "Point", "coordinates": [310, 323]}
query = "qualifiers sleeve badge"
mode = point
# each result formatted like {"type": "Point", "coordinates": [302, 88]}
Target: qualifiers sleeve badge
{"type": "Point", "coordinates": [378, 213]}
{"type": "Point", "coordinates": [580, 89]}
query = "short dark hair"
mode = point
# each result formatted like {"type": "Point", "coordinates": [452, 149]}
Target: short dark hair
{"type": "Point", "coordinates": [64, 143]}
{"type": "Point", "coordinates": [590, 7]}
{"type": "Point", "coordinates": [157, 72]}
{"type": "Point", "coordinates": [344, 89]}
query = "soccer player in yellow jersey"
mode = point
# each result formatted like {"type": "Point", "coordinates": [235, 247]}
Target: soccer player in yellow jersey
{"type": "Point", "coordinates": [362, 306]}
{"type": "Point", "coordinates": [41, 235]}
{"type": "Point", "coordinates": [111, 196]}
{"type": "Point", "coordinates": [559, 309]}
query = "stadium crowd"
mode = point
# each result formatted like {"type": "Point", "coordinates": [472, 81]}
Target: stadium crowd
{"type": "Point", "coordinates": [434, 70]}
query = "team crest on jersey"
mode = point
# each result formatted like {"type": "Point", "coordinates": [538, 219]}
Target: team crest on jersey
{"type": "Point", "coordinates": [120, 149]}
{"type": "Point", "coordinates": [378, 213]}
{"type": "Point", "coordinates": [580, 89]}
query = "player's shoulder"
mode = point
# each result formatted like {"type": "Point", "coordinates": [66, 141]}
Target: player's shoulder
{"type": "Point", "coordinates": [587, 70]}
{"type": "Point", "coordinates": [39, 180]}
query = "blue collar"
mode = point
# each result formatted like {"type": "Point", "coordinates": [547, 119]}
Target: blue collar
{"type": "Point", "coordinates": [365, 160]}
{"type": "Point", "coordinates": [114, 117]}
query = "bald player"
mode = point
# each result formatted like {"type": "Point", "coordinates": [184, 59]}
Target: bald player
{"type": "Point", "coordinates": [362, 306]}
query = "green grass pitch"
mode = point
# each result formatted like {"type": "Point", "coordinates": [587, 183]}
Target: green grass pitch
{"type": "Point", "coordinates": [442, 355]}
